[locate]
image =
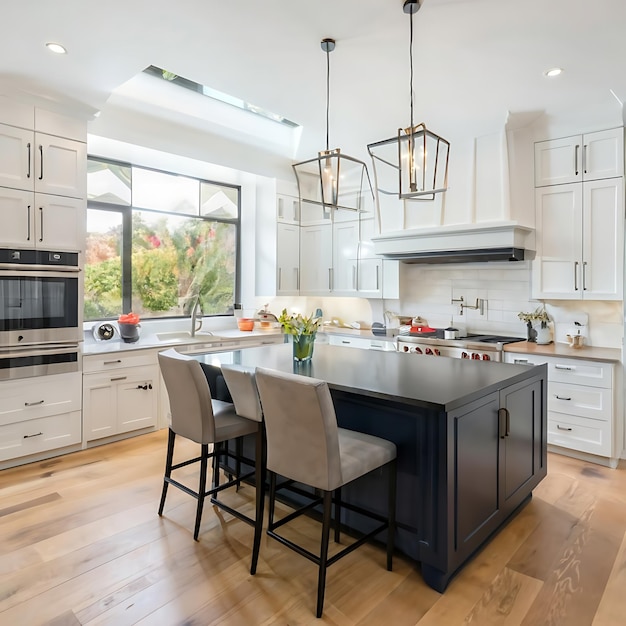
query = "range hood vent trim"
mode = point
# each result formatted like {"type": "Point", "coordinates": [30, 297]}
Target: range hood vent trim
{"type": "Point", "coordinates": [463, 256]}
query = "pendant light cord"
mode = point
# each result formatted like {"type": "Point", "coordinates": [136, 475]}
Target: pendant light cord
{"type": "Point", "coordinates": [327, 93]}
{"type": "Point", "coordinates": [411, 63]}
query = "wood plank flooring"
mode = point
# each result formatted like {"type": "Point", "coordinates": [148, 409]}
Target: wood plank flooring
{"type": "Point", "coordinates": [81, 543]}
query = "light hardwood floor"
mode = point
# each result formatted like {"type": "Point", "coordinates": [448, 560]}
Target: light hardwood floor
{"type": "Point", "coordinates": [81, 543]}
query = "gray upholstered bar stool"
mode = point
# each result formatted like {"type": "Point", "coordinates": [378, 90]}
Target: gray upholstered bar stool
{"type": "Point", "coordinates": [198, 417]}
{"type": "Point", "coordinates": [304, 444]}
{"type": "Point", "coordinates": [241, 384]}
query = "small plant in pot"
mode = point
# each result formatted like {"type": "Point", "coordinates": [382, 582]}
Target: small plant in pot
{"type": "Point", "coordinates": [537, 317]}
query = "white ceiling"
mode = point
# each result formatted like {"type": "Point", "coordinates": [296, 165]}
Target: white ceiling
{"type": "Point", "coordinates": [475, 60]}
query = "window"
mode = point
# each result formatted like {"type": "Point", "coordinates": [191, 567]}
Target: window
{"type": "Point", "coordinates": [157, 241]}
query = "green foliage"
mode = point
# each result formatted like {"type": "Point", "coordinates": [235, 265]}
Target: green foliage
{"type": "Point", "coordinates": [103, 289]}
{"type": "Point", "coordinates": [538, 315]}
{"type": "Point", "coordinates": [298, 325]}
{"type": "Point", "coordinates": [155, 278]}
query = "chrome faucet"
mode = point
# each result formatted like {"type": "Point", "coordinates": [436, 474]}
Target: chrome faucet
{"type": "Point", "coordinates": [194, 314]}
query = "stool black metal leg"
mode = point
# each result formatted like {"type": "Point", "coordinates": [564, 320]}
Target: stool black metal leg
{"type": "Point", "coordinates": [321, 581]}
{"type": "Point", "coordinates": [259, 479]}
{"type": "Point", "coordinates": [171, 436]}
{"type": "Point", "coordinates": [272, 502]}
{"type": "Point", "coordinates": [337, 513]}
{"type": "Point", "coordinates": [391, 514]}
{"type": "Point", "coordinates": [238, 455]}
{"type": "Point", "coordinates": [201, 488]}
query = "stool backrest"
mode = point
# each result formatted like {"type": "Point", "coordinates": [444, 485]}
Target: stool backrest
{"type": "Point", "coordinates": [190, 397]}
{"type": "Point", "coordinates": [241, 384]}
{"type": "Point", "coordinates": [301, 428]}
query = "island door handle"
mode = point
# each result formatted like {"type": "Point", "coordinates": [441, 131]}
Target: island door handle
{"type": "Point", "coordinates": [558, 397]}
{"type": "Point", "coordinates": [562, 428]}
{"type": "Point", "coordinates": [504, 423]}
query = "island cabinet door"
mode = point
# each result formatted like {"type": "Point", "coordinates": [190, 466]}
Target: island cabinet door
{"type": "Point", "coordinates": [522, 425]}
{"type": "Point", "coordinates": [473, 464]}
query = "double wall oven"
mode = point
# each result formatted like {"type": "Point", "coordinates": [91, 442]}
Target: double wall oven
{"type": "Point", "coordinates": [40, 321]}
{"type": "Point", "coordinates": [475, 347]}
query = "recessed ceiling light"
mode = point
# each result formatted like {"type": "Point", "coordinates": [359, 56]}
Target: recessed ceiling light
{"type": "Point", "coordinates": [552, 72]}
{"type": "Point", "coordinates": [57, 48]}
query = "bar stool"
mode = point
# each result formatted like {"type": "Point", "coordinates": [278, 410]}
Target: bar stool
{"type": "Point", "coordinates": [196, 416]}
{"type": "Point", "coordinates": [304, 444]}
{"type": "Point", "coordinates": [242, 387]}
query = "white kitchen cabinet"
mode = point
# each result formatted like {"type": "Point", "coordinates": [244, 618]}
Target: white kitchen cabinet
{"type": "Point", "coordinates": [345, 236]}
{"type": "Point", "coordinates": [580, 402]}
{"type": "Point", "coordinates": [287, 259]}
{"type": "Point", "coordinates": [287, 209]}
{"type": "Point", "coordinates": [363, 343]}
{"type": "Point", "coordinates": [591, 156]}
{"type": "Point", "coordinates": [120, 394]}
{"type": "Point", "coordinates": [316, 259]}
{"type": "Point", "coordinates": [580, 239]}
{"type": "Point", "coordinates": [377, 277]}
{"type": "Point", "coordinates": [39, 414]}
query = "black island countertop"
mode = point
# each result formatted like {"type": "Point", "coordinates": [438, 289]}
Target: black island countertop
{"type": "Point", "coordinates": [425, 381]}
{"type": "Point", "coordinates": [471, 439]}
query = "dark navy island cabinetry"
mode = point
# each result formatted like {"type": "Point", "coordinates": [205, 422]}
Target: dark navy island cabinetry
{"type": "Point", "coordinates": [471, 440]}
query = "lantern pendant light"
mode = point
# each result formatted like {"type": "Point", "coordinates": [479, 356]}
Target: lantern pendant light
{"type": "Point", "coordinates": [414, 164]}
{"type": "Point", "coordinates": [333, 180]}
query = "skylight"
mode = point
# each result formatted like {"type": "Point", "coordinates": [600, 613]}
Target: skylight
{"type": "Point", "coordinates": [218, 95]}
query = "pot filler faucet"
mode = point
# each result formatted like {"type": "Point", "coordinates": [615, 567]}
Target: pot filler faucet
{"type": "Point", "coordinates": [194, 314]}
{"type": "Point", "coordinates": [480, 305]}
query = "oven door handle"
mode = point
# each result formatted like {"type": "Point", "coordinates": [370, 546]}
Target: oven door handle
{"type": "Point", "coordinates": [9, 269]}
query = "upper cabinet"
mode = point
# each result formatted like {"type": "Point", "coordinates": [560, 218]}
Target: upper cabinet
{"type": "Point", "coordinates": [592, 156]}
{"type": "Point", "coordinates": [43, 178]}
{"type": "Point", "coordinates": [580, 225]}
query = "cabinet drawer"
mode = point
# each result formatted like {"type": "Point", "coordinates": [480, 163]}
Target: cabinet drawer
{"type": "Point", "coordinates": [115, 360]}
{"type": "Point", "coordinates": [579, 433]}
{"type": "Point", "coordinates": [580, 372]}
{"type": "Point", "coordinates": [40, 397]}
{"type": "Point", "coordinates": [525, 359]}
{"type": "Point", "coordinates": [593, 402]}
{"type": "Point", "coordinates": [38, 435]}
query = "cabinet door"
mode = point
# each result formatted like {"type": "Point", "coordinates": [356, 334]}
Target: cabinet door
{"type": "Point", "coordinates": [17, 209]}
{"type": "Point", "coordinates": [370, 278]}
{"type": "Point", "coordinates": [287, 259]}
{"type": "Point", "coordinates": [59, 222]}
{"type": "Point", "coordinates": [60, 166]}
{"type": "Point", "coordinates": [603, 154]}
{"type": "Point", "coordinates": [603, 239]}
{"type": "Point", "coordinates": [99, 407]}
{"type": "Point", "coordinates": [137, 400]}
{"type": "Point", "coordinates": [345, 246]}
{"type": "Point", "coordinates": [316, 259]}
{"type": "Point", "coordinates": [288, 209]}
{"type": "Point", "coordinates": [17, 148]}
{"type": "Point", "coordinates": [558, 161]}
{"type": "Point", "coordinates": [557, 271]}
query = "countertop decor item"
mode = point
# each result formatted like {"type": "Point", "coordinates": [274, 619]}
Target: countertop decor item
{"type": "Point", "coordinates": [537, 325]}
{"type": "Point", "coordinates": [128, 324]}
{"type": "Point", "coordinates": [303, 330]}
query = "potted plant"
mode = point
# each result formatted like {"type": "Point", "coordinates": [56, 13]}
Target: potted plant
{"type": "Point", "coordinates": [303, 329]}
{"type": "Point", "coordinates": [540, 316]}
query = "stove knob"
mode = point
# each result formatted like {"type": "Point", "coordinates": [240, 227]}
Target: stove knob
{"type": "Point", "coordinates": [464, 355]}
{"type": "Point", "coordinates": [418, 351]}
{"type": "Point", "coordinates": [428, 351]}
{"type": "Point", "coordinates": [475, 356]}
{"type": "Point", "coordinates": [486, 357]}
{"type": "Point", "coordinates": [437, 352]}
{"type": "Point", "coordinates": [406, 348]}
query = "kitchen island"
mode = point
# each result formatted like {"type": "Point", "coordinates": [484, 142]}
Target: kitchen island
{"type": "Point", "coordinates": [471, 439]}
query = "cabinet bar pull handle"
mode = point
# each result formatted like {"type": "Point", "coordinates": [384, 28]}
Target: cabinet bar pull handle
{"type": "Point", "coordinates": [35, 435]}
{"type": "Point", "coordinates": [41, 161]}
{"type": "Point", "coordinates": [520, 361]}
{"type": "Point", "coordinates": [503, 423]}
{"type": "Point", "coordinates": [297, 277]}
{"type": "Point", "coordinates": [41, 223]}
{"type": "Point", "coordinates": [119, 378]}
{"type": "Point", "coordinates": [354, 277]}
{"type": "Point", "coordinates": [585, 159]}
{"type": "Point", "coordinates": [377, 278]}
{"type": "Point", "coordinates": [344, 341]}
{"type": "Point", "coordinates": [111, 362]}
{"type": "Point", "coordinates": [34, 403]}
{"type": "Point", "coordinates": [576, 159]}
{"type": "Point", "coordinates": [558, 397]}
{"type": "Point", "coordinates": [584, 276]}
{"type": "Point", "coordinates": [562, 427]}
{"type": "Point", "coordinates": [575, 275]}
{"type": "Point", "coordinates": [569, 368]}
{"type": "Point", "coordinates": [144, 387]}
{"type": "Point", "coordinates": [330, 278]}
{"type": "Point", "coordinates": [28, 149]}
{"type": "Point", "coordinates": [28, 223]}
{"type": "Point", "coordinates": [280, 276]}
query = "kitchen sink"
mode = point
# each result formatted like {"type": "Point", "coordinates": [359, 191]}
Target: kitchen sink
{"type": "Point", "coordinates": [184, 336]}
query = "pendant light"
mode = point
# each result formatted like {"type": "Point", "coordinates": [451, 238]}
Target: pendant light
{"type": "Point", "coordinates": [332, 180]}
{"type": "Point", "coordinates": [414, 164]}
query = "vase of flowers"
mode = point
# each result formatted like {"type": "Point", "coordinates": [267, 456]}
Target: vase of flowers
{"type": "Point", "coordinates": [537, 329]}
{"type": "Point", "coordinates": [303, 331]}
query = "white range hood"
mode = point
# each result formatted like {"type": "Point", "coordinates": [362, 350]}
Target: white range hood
{"type": "Point", "coordinates": [472, 243]}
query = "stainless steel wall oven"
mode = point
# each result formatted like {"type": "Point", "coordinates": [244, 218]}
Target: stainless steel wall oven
{"type": "Point", "coordinates": [39, 297]}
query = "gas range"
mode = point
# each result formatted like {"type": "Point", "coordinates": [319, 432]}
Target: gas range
{"type": "Point", "coordinates": [478, 347]}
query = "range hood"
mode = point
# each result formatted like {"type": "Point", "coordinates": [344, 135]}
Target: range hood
{"type": "Point", "coordinates": [473, 243]}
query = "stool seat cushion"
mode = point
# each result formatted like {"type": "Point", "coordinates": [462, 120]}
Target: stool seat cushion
{"type": "Point", "coordinates": [229, 425]}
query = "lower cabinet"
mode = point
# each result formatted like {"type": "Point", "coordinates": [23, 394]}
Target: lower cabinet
{"type": "Point", "coordinates": [39, 414]}
{"type": "Point", "coordinates": [123, 398]}
{"type": "Point", "coordinates": [580, 402]}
